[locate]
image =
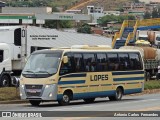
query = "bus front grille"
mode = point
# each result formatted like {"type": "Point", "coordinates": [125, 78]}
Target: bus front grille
{"type": "Point", "coordinates": [29, 94]}
{"type": "Point", "coordinates": [33, 90]}
{"type": "Point", "coordinates": [33, 86]}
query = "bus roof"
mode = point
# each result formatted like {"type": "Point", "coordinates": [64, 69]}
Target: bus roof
{"type": "Point", "coordinates": [86, 48]}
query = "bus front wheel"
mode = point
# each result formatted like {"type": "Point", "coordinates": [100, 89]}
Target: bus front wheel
{"type": "Point", "coordinates": [35, 102]}
{"type": "Point", "coordinates": [65, 99]}
{"type": "Point", "coordinates": [89, 100]}
{"type": "Point", "coordinates": [117, 96]}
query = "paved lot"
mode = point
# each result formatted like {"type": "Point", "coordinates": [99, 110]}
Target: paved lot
{"type": "Point", "coordinates": [148, 102]}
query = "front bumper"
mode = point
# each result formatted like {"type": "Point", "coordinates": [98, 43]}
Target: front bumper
{"type": "Point", "coordinates": [38, 92]}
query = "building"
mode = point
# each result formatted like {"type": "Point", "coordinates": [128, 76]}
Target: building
{"type": "Point", "coordinates": [133, 6]}
{"type": "Point", "coordinates": [136, 9]}
{"type": "Point", "coordinates": [150, 1]}
{"type": "Point", "coordinates": [27, 10]}
{"type": "Point", "coordinates": [2, 4]}
{"type": "Point", "coordinates": [116, 13]}
{"type": "Point", "coordinates": [154, 3]}
{"type": "Point", "coordinates": [74, 11]}
{"type": "Point", "coordinates": [95, 12]}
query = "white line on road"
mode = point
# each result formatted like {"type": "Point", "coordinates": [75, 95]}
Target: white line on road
{"type": "Point", "coordinates": [99, 105]}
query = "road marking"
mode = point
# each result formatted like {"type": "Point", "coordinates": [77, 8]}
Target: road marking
{"type": "Point", "coordinates": [148, 108]}
{"type": "Point", "coordinates": [63, 109]}
{"type": "Point", "coordinates": [73, 118]}
{"type": "Point", "coordinates": [100, 105]}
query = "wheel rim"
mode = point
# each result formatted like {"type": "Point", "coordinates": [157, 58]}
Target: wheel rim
{"type": "Point", "coordinates": [65, 98]}
{"type": "Point", "coordinates": [119, 94]}
{"type": "Point", "coordinates": [5, 81]}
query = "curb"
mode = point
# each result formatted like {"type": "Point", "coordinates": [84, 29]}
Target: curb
{"type": "Point", "coordinates": [14, 102]}
{"type": "Point", "coordinates": [137, 94]}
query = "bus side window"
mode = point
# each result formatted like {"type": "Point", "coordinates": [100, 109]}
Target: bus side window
{"type": "Point", "coordinates": [67, 67]}
{"type": "Point", "coordinates": [113, 61]}
{"type": "Point", "coordinates": [89, 62]}
{"type": "Point", "coordinates": [78, 62]}
{"type": "Point", "coordinates": [102, 64]}
{"type": "Point", "coordinates": [135, 61]}
{"type": "Point", "coordinates": [124, 61]}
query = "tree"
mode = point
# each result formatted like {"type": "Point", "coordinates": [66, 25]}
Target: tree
{"type": "Point", "coordinates": [136, 1]}
{"type": "Point", "coordinates": [57, 24]}
{"type": "Point", "coordinates": [147, 15]}
{"type": "Point", "coordinates": [158, 11]}
{"type": "Point", "coordinates": [119, 19]}
{"type": "Point", "coordinates": [155, 13]}
{"type": "Point", "coordinates": [85, 28]}
{"type": "Point", "coordinates": [120, 8]}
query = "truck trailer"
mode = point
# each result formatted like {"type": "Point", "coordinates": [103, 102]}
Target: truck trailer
{"type": "Point", "coordinates": [151, 59]}
{"type": "Point", "coordinates": [18, 42]}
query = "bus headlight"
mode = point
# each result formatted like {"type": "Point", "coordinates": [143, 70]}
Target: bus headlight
{"type": "Point", "coordinates": [50, 95]}
{"type": "Point", "coordinates": [47, 86]}
{"type": "Point", "coordinates": [20, 94]}
{"type": "Point", "coordinates": [22, 86]}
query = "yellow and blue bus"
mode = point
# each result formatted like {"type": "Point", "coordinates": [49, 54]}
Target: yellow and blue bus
{"type": "Point", "coordinates": [86, 73]}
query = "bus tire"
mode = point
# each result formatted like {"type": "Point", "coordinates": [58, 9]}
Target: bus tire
{"type": "Point", "coordinates": [35, 102]}
{"type": "Point", "coordinates": [65, 99]}
{"type": "Point", "coordinates": [157, 76]}
{"type": "Point", "coordinates": [147, 76]}
{"type": "Point", "coordinates": [89, 100]}
{"type": "Point", "coordinates": [5, 81]}
{"type": "Point", "coordinates": [117, 96]}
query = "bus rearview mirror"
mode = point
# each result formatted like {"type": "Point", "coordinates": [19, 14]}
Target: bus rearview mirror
{"type": "Point", "coordinates": [65, 59]}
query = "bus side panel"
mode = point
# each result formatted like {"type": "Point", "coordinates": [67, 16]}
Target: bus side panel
{"type": "Point", "coordinates": [74, 82]}
{"type": "Point", "coordinates": [95, 84]}
{"type": "Point", "coordinates": [101, 84]}
{"type": "Point", "coordinates": [132, 81]}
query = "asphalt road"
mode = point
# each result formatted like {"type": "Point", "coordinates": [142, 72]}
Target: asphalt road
{"type": "Point", "coordinates": [148, 102]}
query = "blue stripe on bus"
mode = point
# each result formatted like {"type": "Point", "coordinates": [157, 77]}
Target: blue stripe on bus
{"type": "Point", "coordinates": [131, 91]}
{"type": "Point", "coordinates": [127, 73]}
{"type": "Point", "coordinates": [74, 75]}
{"type": "Point", "coordinates": [106, 84]}
{"type": "Point", "coordinates": [99, 94]}
{"type": "Point", "coordinates": [87, 86]}
{"type": "Point", "coordinates": [93, 85]}
{"type": "Point", "coordinates": [89, 94]}
{"type": "Point", "coordinates": [128, 79]}
{"type": "Point", "coordinates": [82, 86]}
{"type": "Point", "coordinates": [119, 84]}
{"type": "Point", "coordinates": [68, 87]}
{"type": "Point", "coordinates": [71, 82]}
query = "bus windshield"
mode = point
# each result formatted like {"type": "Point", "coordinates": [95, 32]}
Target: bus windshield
{"type": "Point", "coordinates": [42, 64]}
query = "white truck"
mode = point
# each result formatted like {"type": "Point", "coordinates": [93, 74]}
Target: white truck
{"type": "Point", "coordinates": [151, 36]}
{"type": "Point", "coordinates": [17, 42]}
{"type": "Point", "coordinates": [142, 35]}
{"type": "Point", "coordinates": [155, 37]}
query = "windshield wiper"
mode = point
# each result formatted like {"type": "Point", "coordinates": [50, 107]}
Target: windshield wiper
{"type": "Point", "coordinates": [43, 72]}
{"type": "Point", "coordinates": [28, 71]}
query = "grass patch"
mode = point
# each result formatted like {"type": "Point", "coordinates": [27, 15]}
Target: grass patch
{"type": "Point", "coordinates": [9, 93]}
{"type": "Point", "coordinates": [152, 84]}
